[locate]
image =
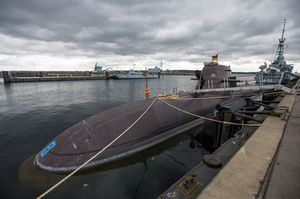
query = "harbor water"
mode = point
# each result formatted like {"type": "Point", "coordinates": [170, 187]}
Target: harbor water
{"type": "Point", "coordinates": [31, 114]}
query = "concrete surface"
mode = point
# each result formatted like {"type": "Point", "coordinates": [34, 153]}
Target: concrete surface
{"type": "Point", "coordinates": [243, 176]}
{"type": "Point", "coordinates": [285, 177]}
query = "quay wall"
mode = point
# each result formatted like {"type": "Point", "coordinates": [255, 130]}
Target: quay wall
{"type": "Point", "coordinates": [34, 76]}
{"type": "Point", "coordinates": [42, 76]}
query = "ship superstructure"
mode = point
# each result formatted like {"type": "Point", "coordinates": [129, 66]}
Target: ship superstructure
{"type": "Point", "coordinates": [278, 72]}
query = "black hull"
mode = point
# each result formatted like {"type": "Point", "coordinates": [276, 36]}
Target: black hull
{"type": "Point", "coordinates": [77, 144]}
{"type": "Point", "coordinates": [131, 150]}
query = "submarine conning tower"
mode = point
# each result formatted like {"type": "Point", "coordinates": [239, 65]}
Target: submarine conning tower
{"type": "Point", "coordinates": [215, 75]}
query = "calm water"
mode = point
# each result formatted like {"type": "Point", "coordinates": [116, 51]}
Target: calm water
{"type": "Point", "coordinates": [31, 114]}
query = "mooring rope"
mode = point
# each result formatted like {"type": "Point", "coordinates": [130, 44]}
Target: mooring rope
{"type": "Point", "coordinates": [229, 96]}
{"type": "Point", "coordinates": [207, 118]}
{"type": "Point", "coordinates": [98, 153]}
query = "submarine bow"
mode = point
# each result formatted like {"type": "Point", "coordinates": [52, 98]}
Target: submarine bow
{"type": "Point", "coordinates": [80, 142]}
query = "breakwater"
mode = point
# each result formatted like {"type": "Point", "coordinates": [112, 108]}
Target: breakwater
{"type": "Point", "coordinates": [42, 76]}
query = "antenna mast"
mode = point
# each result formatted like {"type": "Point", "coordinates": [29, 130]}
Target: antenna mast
{"type": "Point", "coordinates": [280, 48]}
{"type": "Point", "coordinates": [161, 64]}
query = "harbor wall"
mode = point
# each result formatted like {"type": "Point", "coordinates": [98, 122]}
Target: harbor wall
{"type": "Point", "coordinates": [39, 76]}
{"type": "Point", "coordinates": [49, 73]}
{"type": "Point", "coordinates": [42, 76]}
{"type": "Point", "coordinates": [5, 76]}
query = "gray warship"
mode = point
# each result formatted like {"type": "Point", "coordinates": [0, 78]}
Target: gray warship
{"type": "Point", "coordinates": [278, 72]}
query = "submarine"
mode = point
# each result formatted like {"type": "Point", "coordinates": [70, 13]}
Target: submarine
{"type": "Point", "coordinates": [76, 145]}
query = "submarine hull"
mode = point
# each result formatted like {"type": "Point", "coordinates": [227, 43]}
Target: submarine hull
{"type": "Point", "coordinates": [77, 144]}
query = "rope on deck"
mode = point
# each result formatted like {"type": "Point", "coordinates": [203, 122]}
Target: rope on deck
{"type": "Point", "coordinates": [98, 153]}
{"type": "Point", "coordinates": [229, 96]}
{"type": "Point", "coordinates": [207, 118]}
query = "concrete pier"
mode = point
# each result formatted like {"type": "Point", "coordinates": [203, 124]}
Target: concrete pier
{"type": "Point", "coordinates": [246, 174]}
{"type": "Point", "coordinates": [46, 76]}
{"type": "Point", "coordinates": [49, 79]}
{"type": "Point", "coordinates": [284, 181]}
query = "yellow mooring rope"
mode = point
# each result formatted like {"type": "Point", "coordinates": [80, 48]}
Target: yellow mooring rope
{"type": "Point", "coordinates": [206, 118]}
{"type": "Point", "coordinates": [224, 96]}
{"type": "Point", "coordinates": [97, 154]}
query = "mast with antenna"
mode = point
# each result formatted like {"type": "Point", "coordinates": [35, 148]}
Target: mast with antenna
{"type": "Point", "coordinates": [280, 47]}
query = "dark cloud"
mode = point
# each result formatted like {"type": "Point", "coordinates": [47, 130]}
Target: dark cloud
{"type": "Point", "coordinates": [176, 30]}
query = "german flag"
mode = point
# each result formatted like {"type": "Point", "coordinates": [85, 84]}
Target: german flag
{"type": "Point", "coordinates": [215, 58]}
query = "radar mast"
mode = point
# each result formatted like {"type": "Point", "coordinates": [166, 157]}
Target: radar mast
{"type": "Point", "coordinates": [280, 47]}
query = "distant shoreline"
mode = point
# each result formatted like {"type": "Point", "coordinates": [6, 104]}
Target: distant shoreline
{"type": "Point", "coordinates": [41, 76]}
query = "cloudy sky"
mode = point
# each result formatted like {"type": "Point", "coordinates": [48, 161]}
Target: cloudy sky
{"type": "Point", "coordinates": [74, 34]}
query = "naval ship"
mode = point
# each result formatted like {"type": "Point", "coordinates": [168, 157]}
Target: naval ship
{"type": "Point", "coordinates": [279, 71]}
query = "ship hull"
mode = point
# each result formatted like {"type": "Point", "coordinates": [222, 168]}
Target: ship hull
{"type": "Point", "coordinates": [124, 77]}
{"type": "Point", "coordinates": [272, 78]}
{"type": "Point", "coordinates": [77, 144]}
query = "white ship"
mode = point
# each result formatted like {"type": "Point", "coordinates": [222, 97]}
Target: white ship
{"type": "Point", "coordinates": [135, 75]}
